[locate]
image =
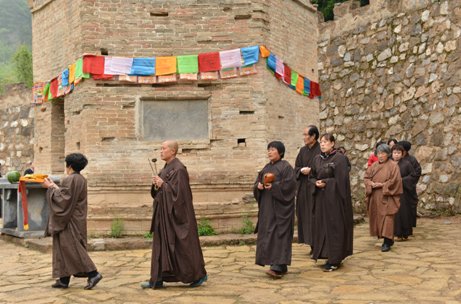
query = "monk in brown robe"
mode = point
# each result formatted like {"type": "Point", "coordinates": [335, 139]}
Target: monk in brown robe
{"type": "Point", "coordinates": [333, 221]}
{"type": "Point", "coordinates": [304, 198]}
{"type": "Point", "coordinates": [274, 190]}
{"type": "Point", "coordinates": [176, 252]}
{"type": "Point", "coordinates": [383, 187]}
{"type": "Point", "coordinates": [68, 207]}
{"type": "Point", "coordinates": [403, 222]}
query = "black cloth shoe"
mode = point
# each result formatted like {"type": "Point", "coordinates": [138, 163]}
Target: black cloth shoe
{"type": "Point", "coordinates": [330, 267]}
{"type": "Point", "coordinates": [385, 247]}
{"type": "Point", "coordinates": [93, 281]}
{"type": "Point", "coordinates": [59, 284]}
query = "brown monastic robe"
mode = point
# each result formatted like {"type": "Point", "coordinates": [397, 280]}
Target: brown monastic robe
{"type": "Point", "coordinates": [403, 222]}
{"type": "Point", "coordinates": [383, 203]}
{"type": "Point", "coordinates": [176, 252]}
{"type": "Point", "coordinates": [67, 225]}
{"type": "Point", "coordinates": [333, 221]}
{"type": "Point", "coordinates": [276, 215]}
{"type": "Point", "coordinates": [304, 198]}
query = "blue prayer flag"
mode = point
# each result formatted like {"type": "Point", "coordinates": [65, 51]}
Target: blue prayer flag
{"type": "Point", "coordinates": [271, 60]}
{"type": "Point", "coordinates": [307, 87]}
{"type": "Point", "coordinates": [250, 55]}
{"type": "Point", "coordinates": [143, 66]}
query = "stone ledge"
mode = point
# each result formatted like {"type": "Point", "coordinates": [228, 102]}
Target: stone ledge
{"type": "Point", "coordinates": [139, 242]}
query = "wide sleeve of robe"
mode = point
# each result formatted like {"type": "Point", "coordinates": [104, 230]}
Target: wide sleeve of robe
{"type": "Point", "coordinates": [298, 164]}
{"type": "Point", "coordinates": [62, 202]}
{"type": "Point", "coordinates": [368, 179]}
{"type": "Point", "coordinates": [393, 185]}
{"type": "Point", "coordinates": [284, 187]}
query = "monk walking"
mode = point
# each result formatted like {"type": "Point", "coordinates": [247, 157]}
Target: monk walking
{"type": "Point", "coordinates": [176, 252]}
{"type": "Point", "coordinates": [67, 225]}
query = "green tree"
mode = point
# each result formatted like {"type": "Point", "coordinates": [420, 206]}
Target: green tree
{"type": "Point", "coordinates": [326, 7]}
{"type": "Point", "coordinates": [23, 61]}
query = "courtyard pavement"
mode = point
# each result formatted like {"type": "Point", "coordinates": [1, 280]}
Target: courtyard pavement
{"type": "Point", "coordinates": [425, 269]}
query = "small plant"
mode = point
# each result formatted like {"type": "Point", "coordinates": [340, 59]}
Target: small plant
{"type": "Point", "coordinates": [116, 229]}
{"type": "Point", "coordinates": [148, 235]}
{"type": "Point", "coordinates": [248, 226]}
{"type": "Point", "coordinates": [205, 228]}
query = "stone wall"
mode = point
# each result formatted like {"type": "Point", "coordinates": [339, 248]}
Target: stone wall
{"type": "Point", "coordinates": [16, 129]}
{"type": "Point", "coordinates": [102, 119]}
{"type": "Point", "coordinates": [392, 70]}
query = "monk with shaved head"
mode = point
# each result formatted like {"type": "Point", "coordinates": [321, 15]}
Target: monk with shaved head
{"type": "Point", "coordinates": [176, 252]}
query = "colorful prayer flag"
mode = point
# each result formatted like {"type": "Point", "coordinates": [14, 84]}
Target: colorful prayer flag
{"type": "Point", "coordinates": [93, 64]}
{"type": "Point", "coordinates": [294, 79]}
{"type": "Point", "coordinates": [300, 85]}
{"type": "Point", "coordinates": [37, 92]}
{"type": "Point", "coordinates": [209, 62]}
{"type": "Point", "coordinates": [248, 70]}
{"type": "Point", "coordinates": [307, 87]}
{"type": "Point", "coordinates": [165, 66]}
{"type": "Point", "coordinates": [264, 51]}
{"type": "Point", "coordinates": [143, 66]}
{"type": "Point", "coordinates": [286, 74]}
{"type": "Point", "coordinates": [79, 74]}
{"type": "Point", "coordinates": [315, 90]}
{"type": "Point", "coordinates": [117, 65]}
{"type": "Point", "coordinates": [230, 59]}
{"type": "Point", "coordinates": [209, 75]}
{"type": "Point", "coordinates": [228, 73]}
{"type": "Point", "coordinates": [250, 55]}
{"type": "Point", "coordinates": [271, 62]}
{"type": "Point", "coordinates": [187, 64]}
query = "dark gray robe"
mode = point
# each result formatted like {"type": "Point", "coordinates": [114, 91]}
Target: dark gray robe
{"type": "Point", "coordinates": [333, 221]}
{"type": "Point", "coordinates": [276, 215]}
{"type": "Point", "coordinates": [67, 225]}
{"type": "Point", "coordinates": [414, 195]}
{"type": "Point", "coordinates": [403, 222]}
{"type": "Point", "coordinates": [176, 252]}
{"type": "Point", "coordinates": [304, 198]}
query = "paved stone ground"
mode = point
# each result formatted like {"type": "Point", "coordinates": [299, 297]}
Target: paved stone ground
{"type": "Point", "coordinates": [425, 269]}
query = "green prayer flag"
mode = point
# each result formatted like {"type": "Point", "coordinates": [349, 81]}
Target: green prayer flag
{"type": "Point", "coordinates": [187, 64]}
{"type": "Point", "coordinates": [79, 70]}
{"type": "Point", "coordinates": [294, 78]}
{"type": "Point", "coordinates": [46, 90]}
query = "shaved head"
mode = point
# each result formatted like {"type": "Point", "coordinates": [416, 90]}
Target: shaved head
{"type": "Point", "coordinates": [173, 145]}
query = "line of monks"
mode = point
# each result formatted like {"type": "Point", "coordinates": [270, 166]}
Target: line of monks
{"type": "Point", "coordinates": [319, 184]}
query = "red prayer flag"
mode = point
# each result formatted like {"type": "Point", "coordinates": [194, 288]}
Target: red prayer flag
{"type": "Point", "coordinates": [93, 64]}
{"type": "Point", "coordinates": [54, 87]}
{"type": "Point", "coordinates": [315, 90]}
{"type": "Point", "coordinates": [287, 74]}
{"type": "Point", "coordinates": [209, 62]}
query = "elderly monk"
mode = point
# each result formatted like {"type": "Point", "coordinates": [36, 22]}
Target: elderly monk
{"type": "Point", "coordinates": [176, 252]}
{"type": "Point", "coordinates": [383, 186]}
{"type": "Point", "coordinates": [274, 190]}
{"type": "Point", "coordinates": [67, 225]}
{"type": "Point", "coordinates": [304, 198]}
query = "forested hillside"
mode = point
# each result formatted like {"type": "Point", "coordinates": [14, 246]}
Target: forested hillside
{"type": "Point", "coordinates": [15, 31]}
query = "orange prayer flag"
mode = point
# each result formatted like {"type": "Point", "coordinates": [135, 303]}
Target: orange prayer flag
{"type": "Point", "coordinates": [165, 65]}
{"type": "Point", "coordinates": [264, 51]}
{"type": "Point", "coordinates": [300, 85]}
{"type": "Point", "coordinates": [71, 73]}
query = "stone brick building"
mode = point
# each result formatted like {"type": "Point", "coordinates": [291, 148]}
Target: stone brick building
{"type": "Point", "coordinates": [223, 126]}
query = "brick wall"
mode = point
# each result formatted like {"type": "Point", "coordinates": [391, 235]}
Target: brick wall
{"type": "Point", "coordinates": [100, 118]}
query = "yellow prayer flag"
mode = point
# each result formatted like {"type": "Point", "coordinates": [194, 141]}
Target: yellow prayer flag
{"type": "Point", "coordinates": [165, 65]}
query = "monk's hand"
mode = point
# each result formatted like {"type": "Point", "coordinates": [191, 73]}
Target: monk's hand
{"type": "Point", "coordinates": [48, 183]}
{"type": "Point", "coordinates": [260, 186]}
{"type": "Point", "coordinates": [305, 170]}
{"type": "Point", "coordinates": [268, 186]}
{"type": "Point", "coordinates": [320, 184]}
{"type": "Point", "coordinates": [157, 181]}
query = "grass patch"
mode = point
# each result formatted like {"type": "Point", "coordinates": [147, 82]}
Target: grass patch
{"type": "Point", "coordinates": [116, 228]}
{"type": "Point", "coordinates": [205, 228]}
{"type": "Point", "coordinates": [248, 227]}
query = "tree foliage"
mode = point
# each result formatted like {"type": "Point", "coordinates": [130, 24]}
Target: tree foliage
{"type": "Point", "coordinates": [23, 62]}
{"type": "Point", "coordinates": [326, 7]}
